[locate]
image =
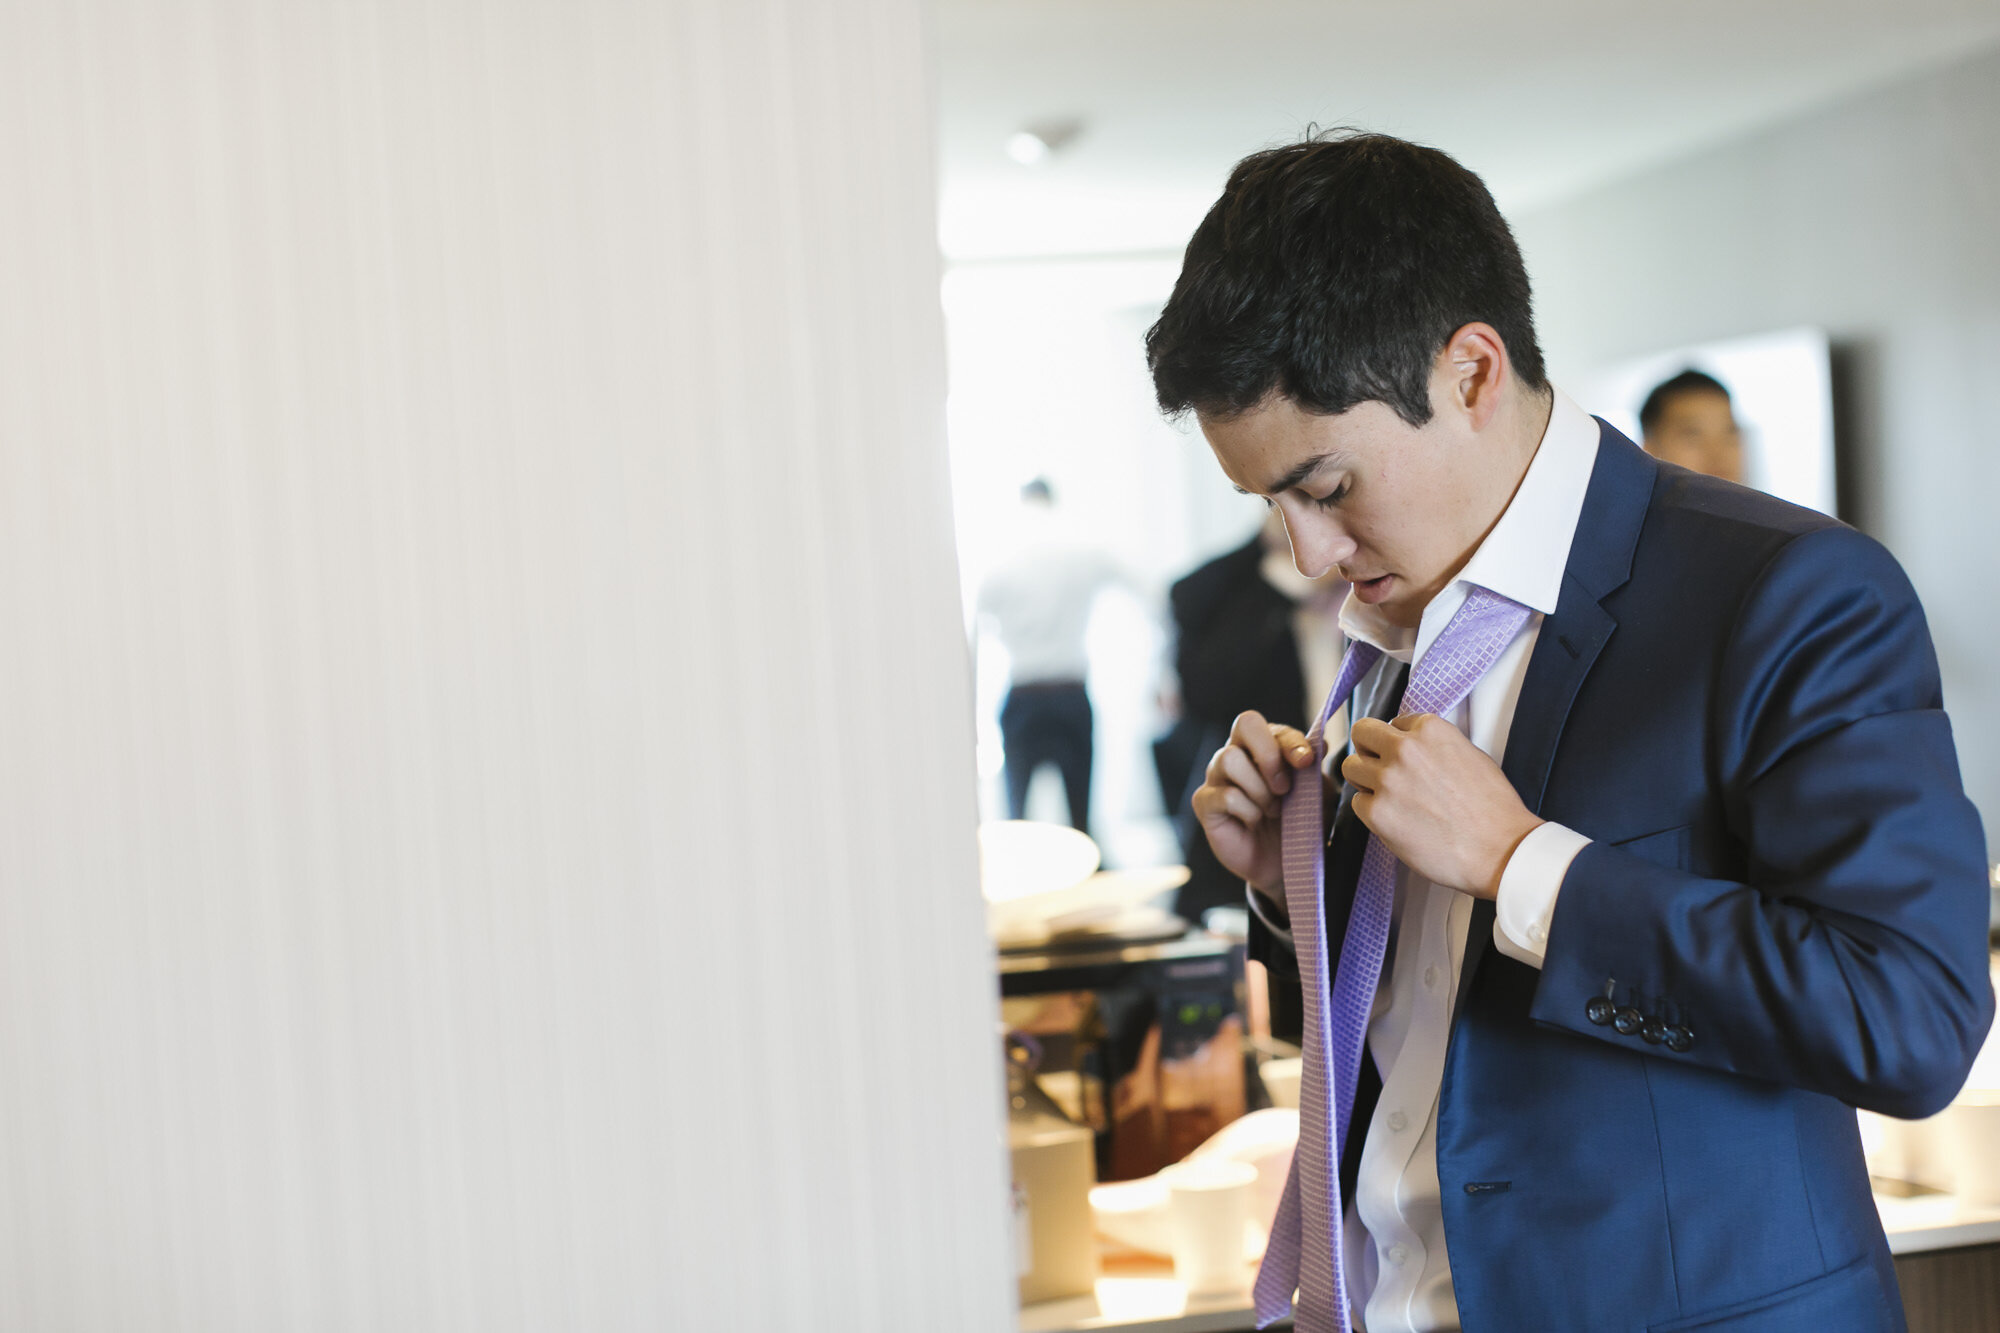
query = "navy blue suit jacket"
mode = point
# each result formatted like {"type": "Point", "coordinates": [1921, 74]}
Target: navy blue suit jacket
{"type": "Point", "coordinates": [1782, 915]}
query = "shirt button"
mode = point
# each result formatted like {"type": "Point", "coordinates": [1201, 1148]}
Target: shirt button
{"type": "Point", "coordinates": [1398, 1255]}
{"type": "Point", "coordinates": [1398, 1121]}
{"type": "Point", "coordinates": [1430, 978]}
{"type": "Point", "coordinates": [1537, 933]}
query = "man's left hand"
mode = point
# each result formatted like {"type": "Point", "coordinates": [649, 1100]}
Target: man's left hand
{"type": "Point", "coordinates": [1436, 800]}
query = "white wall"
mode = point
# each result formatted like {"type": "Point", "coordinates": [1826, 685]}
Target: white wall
{"type": "Point", "coordinates": [1876, 220]}
{"type": "Point", "coordinates": [486, 788]}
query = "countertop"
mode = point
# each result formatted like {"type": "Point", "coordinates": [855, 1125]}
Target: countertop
{"type": "Point", "coordinates": [1142, 1296]}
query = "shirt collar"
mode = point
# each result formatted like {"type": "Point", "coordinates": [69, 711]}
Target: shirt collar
{"type": "Point", "coordinates": [1523, 557]}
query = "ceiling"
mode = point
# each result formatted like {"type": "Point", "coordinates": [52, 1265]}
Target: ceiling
{"type": "Point", "coordinates": [1544, 98]}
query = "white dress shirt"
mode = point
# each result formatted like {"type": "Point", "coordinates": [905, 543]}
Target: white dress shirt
{"type": "Point", "coordinates": [1398, 1273]}
{"type": "Point", "coordinates": [1039, 601]}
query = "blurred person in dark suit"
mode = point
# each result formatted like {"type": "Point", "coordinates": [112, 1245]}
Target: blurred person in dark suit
{"type": "Point", "coordinates": [1251, 632]}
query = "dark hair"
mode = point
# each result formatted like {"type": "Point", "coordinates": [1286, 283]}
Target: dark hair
{"type": "Point", "coordinates": [1334, 271]}
{"type": "Point", "coordinates": [1688, 381]}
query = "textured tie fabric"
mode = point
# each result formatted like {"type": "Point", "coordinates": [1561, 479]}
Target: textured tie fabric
{"type": "Point", "coordinates": [1305, 1250]}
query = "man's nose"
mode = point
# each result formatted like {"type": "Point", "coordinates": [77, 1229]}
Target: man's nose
{"type": "Point", "coordinates": [1318, 544]}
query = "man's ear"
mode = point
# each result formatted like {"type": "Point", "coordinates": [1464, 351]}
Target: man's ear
{"type": "Point", "coordinates": [1476, 360]}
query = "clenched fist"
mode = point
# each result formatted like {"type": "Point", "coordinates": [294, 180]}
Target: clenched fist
{"type": "Point", "coordinates": [1238, 800]}
{"type": "Point", "coordinates": [1436, 800]}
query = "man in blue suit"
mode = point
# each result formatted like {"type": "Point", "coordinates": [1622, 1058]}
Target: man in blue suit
{"type": "Point", "coordinates": [1688, 876]}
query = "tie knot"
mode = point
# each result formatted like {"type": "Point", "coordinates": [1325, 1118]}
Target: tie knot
{"type": "Point", "coordinates": [1478, 632]}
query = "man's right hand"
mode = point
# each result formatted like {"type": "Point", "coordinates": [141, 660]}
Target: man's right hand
{"type": "Point", "coordinates": [1238, 800]}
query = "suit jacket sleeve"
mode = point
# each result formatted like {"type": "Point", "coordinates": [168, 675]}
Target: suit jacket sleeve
{"type": "Point", "coordinates": [1272, 948]}
{"type": "Point", "coordinates": [1852, 959]}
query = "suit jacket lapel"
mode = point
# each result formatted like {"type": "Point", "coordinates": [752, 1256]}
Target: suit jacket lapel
{"type": "Point", "coordinates": [1600, 561]}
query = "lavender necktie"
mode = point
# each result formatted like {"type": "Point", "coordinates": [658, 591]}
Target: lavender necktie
{"type": "Point", "coordinates": [1305, 1249]}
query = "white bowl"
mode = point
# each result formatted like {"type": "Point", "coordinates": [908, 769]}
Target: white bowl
{"type": "Point", "coordinates": [1281, 1080]}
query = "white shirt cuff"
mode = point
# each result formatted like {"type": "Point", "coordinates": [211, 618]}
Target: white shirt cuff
{"type": "Point", "coordinates": [1526, 903]}
{"type": "Point", "coordinates": [1269, 911]}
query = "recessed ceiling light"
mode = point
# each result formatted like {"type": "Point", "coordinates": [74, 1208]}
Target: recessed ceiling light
{"type": "Point", "coordinates": [1027, 149]}
{"type": "Point", "coordinates": [1035, 143]}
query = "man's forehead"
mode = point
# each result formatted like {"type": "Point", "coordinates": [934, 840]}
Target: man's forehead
{"type": "Point", "coordinates": [1697, 401]}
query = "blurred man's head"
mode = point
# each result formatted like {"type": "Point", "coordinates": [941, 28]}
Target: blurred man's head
{"type": "Point", "coordinates": [1688, 420]}
{"type": "Point", "coordinates": [1353, 330]}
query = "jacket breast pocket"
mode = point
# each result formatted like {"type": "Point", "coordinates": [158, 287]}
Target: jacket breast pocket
{"type": "Point", "coordinates": [1669, 847]}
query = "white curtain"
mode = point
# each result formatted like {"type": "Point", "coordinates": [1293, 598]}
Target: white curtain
{"type": "Point", "coordinates": [486, 790]}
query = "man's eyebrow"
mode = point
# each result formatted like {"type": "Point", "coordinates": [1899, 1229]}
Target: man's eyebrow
{"type": "Point", "coordinates": [1299, 473]}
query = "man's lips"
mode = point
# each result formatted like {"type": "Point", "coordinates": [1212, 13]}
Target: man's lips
{"type": "Point", "coordinates": [1373, 590]}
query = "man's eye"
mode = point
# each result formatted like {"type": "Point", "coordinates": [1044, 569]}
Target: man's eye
{"type": "Point", "coordinates": [1329, 501]}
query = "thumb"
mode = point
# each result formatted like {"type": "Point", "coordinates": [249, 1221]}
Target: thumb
{"type": "Point", "coordinates": [1295, 745]}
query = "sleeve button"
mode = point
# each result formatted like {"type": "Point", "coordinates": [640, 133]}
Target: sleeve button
{"type": "Point", "coordinates": [1598, 1011]}
{"type": "Point", "coordinates": [1653, 1031]}
{"type": "Point", "coordinates": [1627, 1021]}
{"type": "Point", "coordinates": [1679, 1038]}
